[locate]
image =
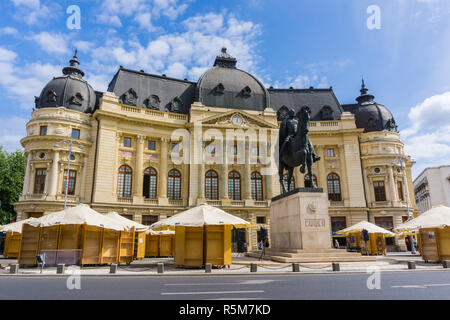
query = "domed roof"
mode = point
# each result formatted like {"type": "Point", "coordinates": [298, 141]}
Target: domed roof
{"type": "Point", "coordinates": [226, 86]}
{"type": "Point", "coordinates": [371, 115]}
{"type": "Point", "coordinates": [69, 91]}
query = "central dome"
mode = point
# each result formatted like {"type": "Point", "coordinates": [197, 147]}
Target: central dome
{"type": "Point", "coordinates": [225, 86]}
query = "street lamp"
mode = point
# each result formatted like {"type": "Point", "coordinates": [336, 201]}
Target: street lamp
{"type": "Point", "coordinates": [80, 146]}
{"type": "Point", "coordinates": [400, 163]}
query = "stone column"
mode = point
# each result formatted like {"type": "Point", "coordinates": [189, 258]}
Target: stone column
{"type": "Point", "coordinates": [47, 187]}
{"type": "Point", "coordinates": [53, 181]}
{"type": "Point", "coordinates": [247, 172]}
{"type": "Point", "coordinates": [162, 178]}
{"type": "Point", "coordinates": [26, 179]}
{"type": "Point", "coordinates": [344, 178]}
{"type": "Point", "coordinates": [393, 190]}
{"type": "Point", "coordinates": [224, 175]}
{"type": "Point", "coordinates": [268, 186]}
{"type": "Point", "coordinates": [81, 190]}
{"type": "Point", "coordinates": [185, 184]}
{"type": "Point", "coordinates": [201, 183]}
{"type": "Point", "coordinates": [322, 176]}
{"type": "Point", "coordinates": [31, 178]}
{"type": "Point", "coordinates": [139, 162]}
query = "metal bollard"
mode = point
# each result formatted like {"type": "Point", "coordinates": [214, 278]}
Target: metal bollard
{"type": "Point", "coordinates": [160, 267]}
{"type": "Point", "coordinates": [446, 264]}
{"type": "Point", "coordinates": [336, 266]}
{"type": "Point", "coordinates": [113, 268]}
{"type": "Point", "coordinates": [411, 265]}
{"type": "Point", "coordinates": [253, 267]}
{"type": "Point", "coordinates": [208, 267]}
{"type": "Point", "coordinates": [295, 267]}
{"type": "Point", "coordinates": [14, 269]}
{"type": "Point", "coordinates": [60, 269]}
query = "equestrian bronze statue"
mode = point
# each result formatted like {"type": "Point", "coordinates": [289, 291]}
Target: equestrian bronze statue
{"type": "Point", "coordinates": [295, 146]}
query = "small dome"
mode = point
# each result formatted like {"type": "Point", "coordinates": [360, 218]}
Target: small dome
{"type": "Point", "coordinates": [69, 91]}
{"type": "Point", "coordinates": [371, 115]}
{"type": "Point", "coordinates": [226, 86]}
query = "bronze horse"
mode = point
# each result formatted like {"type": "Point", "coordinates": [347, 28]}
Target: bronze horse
{"type": "Point", "coordinates": [297, 151]}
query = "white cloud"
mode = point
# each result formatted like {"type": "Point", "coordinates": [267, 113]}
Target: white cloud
{"type": "Point", "coordinates": [52, 43]}
{"type": "Point", "coordinates": [83, 45]}
{"type": "Point", "coordinates": [33, 12]}
{"type": "Point", "coordinates": [12, 130]}
{"type": "Point", "coordinates": [188, 53]}
{"type": "Point", "coordinates": [22, 83]}
{"type": "Point", "coordinates": [8, 31]}
{"type": "Point", "coordinates": [427, 139]}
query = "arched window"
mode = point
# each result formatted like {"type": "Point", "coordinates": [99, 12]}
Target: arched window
{"type": "Point", "coordinates": [257, 186]}
{"type": "Point", "coordinates": [334, 187]}
{"type": "Point", "coordinates": [174, 185]}
{"type": "Point", "coordinates": [150, 183]}
{"type": "Point", "coordinates": [308, 182]}
{"type": "Point", "coordinates": [124, 183]}
{"type": "Point", "coordinates": [285, 182]}
{"type": "Point", "coordinates": [234, 185]}
{"type": "Point", "coordinates": [212, 185]}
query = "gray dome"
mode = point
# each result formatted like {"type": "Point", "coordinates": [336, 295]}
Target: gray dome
{"type": "Point", "coordinates": [371, 115]}
{"type": "Point", "coordinates": [69, 91]}
{"type": "Point", "coordinates": [226, 86]}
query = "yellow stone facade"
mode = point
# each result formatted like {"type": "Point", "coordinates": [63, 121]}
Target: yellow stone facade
{"type": "Point", "coordinates": [358, 158]}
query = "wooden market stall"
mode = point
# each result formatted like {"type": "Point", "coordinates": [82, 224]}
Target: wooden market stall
{"type": "Point", "coordinates": [77, 235]}
{"type": "Point", "coordinates": [433, 231]}
{"type": "Point", "coordinates": [202, 235]}
{"type": "Point", "coordinates": [139, 235]}
{"type": "Point", "coordinates": [160, 243]}
{"type": "Point", "coordinates": [13, 238]}
{"type": "Point", "coordinates": [376, 244]}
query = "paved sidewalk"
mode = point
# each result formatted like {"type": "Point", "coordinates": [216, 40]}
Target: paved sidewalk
{"type": "Point", "coordinates": [241, 265]}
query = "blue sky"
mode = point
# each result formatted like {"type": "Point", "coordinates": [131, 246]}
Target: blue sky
{"type": "Point", "coordinates": [298, 43]}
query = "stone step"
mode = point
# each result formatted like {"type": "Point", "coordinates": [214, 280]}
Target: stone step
{"type": "Point", "coordinates": [324, 259]}
{"type": "Point", "coordinates": [307, 250]}
{"type": "Point", "coordinates": [310, 254]}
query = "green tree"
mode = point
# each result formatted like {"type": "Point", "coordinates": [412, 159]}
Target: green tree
{"type": "Point", "coordinates": [12, 172]}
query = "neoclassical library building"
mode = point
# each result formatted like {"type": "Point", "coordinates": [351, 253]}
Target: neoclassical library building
{"type": "Point", "coordinates": [152, 146]}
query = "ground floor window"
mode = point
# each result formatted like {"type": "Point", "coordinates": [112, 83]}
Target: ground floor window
{"type": "Point", "coordinates": [388, 224]}
{"type": "Point", "coordinates": [148, 220]}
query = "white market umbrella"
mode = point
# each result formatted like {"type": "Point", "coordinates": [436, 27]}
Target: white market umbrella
{"type": "Point", "coordinates": [370, 227]}
{"type": "Point", "coordinates": [154, 233]}
{"type": "Point", "coordinates": [127, 222]}
{"type": "Point", "coordinates": [15, 226]}
{"type": "Point", "coordinates": [437, 217]}
{"type": "Point", "coordinates": [200, 216]}
{"type": "Point", "coordinates": [81, 214]}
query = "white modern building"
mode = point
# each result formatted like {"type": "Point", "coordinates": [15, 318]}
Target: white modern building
{"type": "Point", "coordinates": [432, 188]}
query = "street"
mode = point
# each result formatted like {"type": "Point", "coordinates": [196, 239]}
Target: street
{"type": "Point", "coordinates": [431, 285]}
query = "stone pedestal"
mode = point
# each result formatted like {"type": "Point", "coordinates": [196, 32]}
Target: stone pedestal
{"type": "Point", "coordinates": [300, 220]}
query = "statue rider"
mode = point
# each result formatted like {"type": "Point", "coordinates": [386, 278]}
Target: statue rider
{"type": "Point", "coordinates": [288, 129]}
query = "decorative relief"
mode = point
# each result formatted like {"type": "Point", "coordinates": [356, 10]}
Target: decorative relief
{"type": "Point", "coordinates": [77, 99]}
{"type": "Point", "coordinates": [152, 102]}
{"type": "Point", "coordinates": [130, 97]}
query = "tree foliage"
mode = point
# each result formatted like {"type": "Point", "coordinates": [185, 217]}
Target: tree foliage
{"type": "Point", "coordinates": [12, 172]}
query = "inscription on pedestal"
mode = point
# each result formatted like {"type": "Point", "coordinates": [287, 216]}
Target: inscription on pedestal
{"type": "Point", "coordinates": [315, 223]}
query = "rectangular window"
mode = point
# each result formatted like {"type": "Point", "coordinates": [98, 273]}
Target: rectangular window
{"type": "Point", "coordinates": [127, 142]}
{"type": "Point", "coordinates": [43, 131]}
{"type": "Point", "coordinates": [330, 153]}
{"type": "Point", "coordinates": [261, 220]}
{"type": "Point", "coordinates": [380, 192]}
{"type": "Point", "coordinates": [148, 220]}
{"type": "Point", "coordinates": [76, 133]}
{"type": "Point", "coordinates": [151, 145]}
{"type": "Point", "coordinates": [128, 216]}
{"type": "Point", "coordinates": [39, 181]}
{"type": "Point", "coordinates": [338, 223]}
{"type": "Point", "coordinates": [72, 182]}
{"type": "Point", "coordinates": [400, 191]}
{"type": "Point", "coordinates": [255, 151]}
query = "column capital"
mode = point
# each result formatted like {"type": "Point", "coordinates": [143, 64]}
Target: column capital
{"type": "Point", "coordinates": [141, 139]}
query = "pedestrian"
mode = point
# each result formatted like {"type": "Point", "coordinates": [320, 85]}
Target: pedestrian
{"type": "Point", "coordinates": [245, 246]}
{"type": "Point", "coordinates": [413, 245]}
{"type": "Point", "coordinates": [260, 245]}
{"type": "Point", "coordinates": [336, 243]}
